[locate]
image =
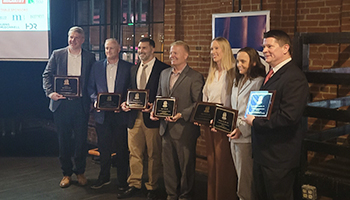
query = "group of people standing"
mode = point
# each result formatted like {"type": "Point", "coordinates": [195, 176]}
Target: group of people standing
{"type": "Point", "coordinates": [258, 160]}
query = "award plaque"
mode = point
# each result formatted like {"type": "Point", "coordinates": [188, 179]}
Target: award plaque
{"type": "Point", "coordinates": [260, 103]}
{"type": "Point", "coordinates": [108, 101]}
{"type": "Point", "coordinates": [164, 107]}
{"type": "Point", "coordinates": [225, 119]}
{"type": "Point", "coordinates": [203, 112]}
{"type": "Point", "coordinates": [67, 86]}
{"type": "Point", "coordinates": [137, 99]}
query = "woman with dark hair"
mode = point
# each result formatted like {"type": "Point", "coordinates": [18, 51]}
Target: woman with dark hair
{"type": "Point", "coordinates": [249, 76]}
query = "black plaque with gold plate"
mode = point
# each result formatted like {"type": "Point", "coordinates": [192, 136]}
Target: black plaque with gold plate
{"type": "Point", "coordinates": [225, 119]}
{"type": "Point", "coordinates": [67, 86]}
{"type": "Point", "coordinates": [108, 101]}
{"type": "Point", "coordinates": [137, 99]}
{"type": "Point", "coordinates": [204, 112]}
{"type": "Point", "coordinates": [164, 107]}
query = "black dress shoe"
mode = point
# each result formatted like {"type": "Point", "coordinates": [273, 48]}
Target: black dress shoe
{"type": "Point", "coordinates": [152, 195]}
{"type": "Point", "coordinates": [128, 193]}
{"type": "Point", "coordinates": [100, 183]}
{"type": "Point", "coordinates": [122, 188]}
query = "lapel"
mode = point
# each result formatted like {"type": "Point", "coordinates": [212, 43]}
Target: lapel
{"type": "Point", "coordinates": [104, 75]}
{"type": "Point", "coordinates": [135, 75]}
{"type": "Point", "coordinates": [119, 77]}
{"type": "Point", "coordinates": [83, 68]}
{"type": "Point", "coordinates": [245, 85]}
{"type": "Point", "coordinates": [167, 82]}
{"type": "Point", "coordinates": [277, 75]}
{"type": "Point", "coordinates": [179, 80]}
{"type": "Point", "coordinates": [154, 73]}
{"type": "Point", "coordinates": [63, 69]}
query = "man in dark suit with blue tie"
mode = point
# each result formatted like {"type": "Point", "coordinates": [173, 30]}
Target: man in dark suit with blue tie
{"type": "Point", "coordinates": [277, 141]}
{"type": "Point", "coordinates": [143, 133]}
{"type": "Point", "coordinates": [111, 75]}
{"type": "Point", "coordinates": [70, 114]}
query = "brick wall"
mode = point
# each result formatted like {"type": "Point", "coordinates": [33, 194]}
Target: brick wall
{"type": "Point", "coordinates": [190, 20]}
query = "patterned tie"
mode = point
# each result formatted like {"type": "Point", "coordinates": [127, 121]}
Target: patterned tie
{"type": "Point", "coordinates": [268, 76]}
{"type": "Point", "coordinates": [143, 79]}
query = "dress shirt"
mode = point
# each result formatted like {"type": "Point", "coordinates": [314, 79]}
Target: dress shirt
{"type": "Point", "coordinates": [174, 76]}
{"type": "Point", "coordinates": [74, 64]}
{"type": "Point", "coordinates": [111, 73]}
{"type": "Point", "coordinates": [148, 71]}
{"type": "Point", "coordinates": [275, 69]}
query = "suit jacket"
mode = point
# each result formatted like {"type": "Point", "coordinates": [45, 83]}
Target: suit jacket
{"type": "Point", "coordinates": [152, 85]}
{"type": "Point", "coordinates": [187, 90]}
{"type": "Point", "coordinates": [57, 65]}
{"type": "Point", "coordinates": [277, 142]}
{"type": "Point", "coordinates": [98, 84]}
{"type": "Point", "coordinates": [239, 101]}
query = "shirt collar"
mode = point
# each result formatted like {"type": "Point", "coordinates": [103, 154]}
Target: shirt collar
{"type": "Point", "coordinates": [150, 63]}
{"type": "Point", "coordinates": [279, 66]}
{"type": "Point", "coordinates": [178, 72]}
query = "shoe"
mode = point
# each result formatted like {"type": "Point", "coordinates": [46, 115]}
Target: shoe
{"type": "Point", "coordinates": [128, 193]}
{"type": "Point", "coordinates": [65, 182]}
{"type": "Point", "coordinates": [81, 179]}
{"type": "Point", "coordinates": [100, 183]}
{"type": "Point", "coordinates": [152, 195]}
{"type": "Point", "coordinates": [122, 188]}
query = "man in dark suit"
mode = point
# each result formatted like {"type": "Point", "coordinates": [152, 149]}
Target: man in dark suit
{"type": "Point", "coordinates": [111, 75]}
{"type": "Point", "coordinates": [277, 142]}
{"type": "Point", "coordinates": [143, 133]}
{"type": "Point", "coordinates": [179, 135]}
{"type": "Point", "coordinates": [70, 114]}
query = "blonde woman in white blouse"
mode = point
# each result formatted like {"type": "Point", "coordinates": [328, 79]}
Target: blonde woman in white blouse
{"type": "Point", "coordinates": [217, 89]}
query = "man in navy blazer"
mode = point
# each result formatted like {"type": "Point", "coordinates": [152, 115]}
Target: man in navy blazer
{"type": "Point", "coordinates": [111, 75]}
{"type": "Point", "coordinates": [70, 114]}
{"type": "Point", "coordinates": [143, 135]}
{"type": "Point", "coordinates": [277, 142]}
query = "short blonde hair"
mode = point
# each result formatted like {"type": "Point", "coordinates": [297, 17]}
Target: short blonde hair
{"type": "Point", "coordinates": [181, 43]}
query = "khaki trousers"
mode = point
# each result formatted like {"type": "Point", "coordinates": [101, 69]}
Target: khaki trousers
{"type": "Point", "coordinates": [142, 142]}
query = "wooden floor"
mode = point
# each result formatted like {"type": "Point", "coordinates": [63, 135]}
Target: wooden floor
{"type": "Point", "coordinates": [29, 170]}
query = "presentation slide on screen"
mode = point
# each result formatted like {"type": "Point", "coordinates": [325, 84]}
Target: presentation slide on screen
{"type": "Point", "coordinates": [24, 29]}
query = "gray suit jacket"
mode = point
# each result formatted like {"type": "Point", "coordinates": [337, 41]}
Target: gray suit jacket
{"type": "Point", "coordinates": [187, 90]}
{"type": "Point", "coordinates": [239, 101]}
{"type": "Point", "coordinates": [57, 65]}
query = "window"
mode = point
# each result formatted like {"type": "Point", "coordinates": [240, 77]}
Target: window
{"type": "Point", "coordinates": [127, 20]}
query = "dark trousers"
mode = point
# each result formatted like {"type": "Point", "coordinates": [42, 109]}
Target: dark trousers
{"type": "Point", "coordinates": [112, 138]}
{"type": "Point", "coordinates": [179, 163]}
{"type": "Point", "coordinates": [72, 124]}
{"type": "Point", "coordinates": [275, 183]}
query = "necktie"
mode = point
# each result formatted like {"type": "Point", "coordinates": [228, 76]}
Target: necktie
{"type": "Point", "coordinates": [143, 77]}
{"type": "Point", "coordinates": [268, 76]}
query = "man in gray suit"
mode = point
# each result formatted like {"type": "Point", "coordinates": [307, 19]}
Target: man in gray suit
{"type": "Point", "coordinates": [179, 135]}
{"type": "Point", "coordinates": [70, 114]}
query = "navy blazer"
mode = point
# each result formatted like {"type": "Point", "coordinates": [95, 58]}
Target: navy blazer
{"type": "Point", "coordinates": [152, 85]}
{"type": "Point", "coordinates": [98, 84]}
{"type": "Point", "coordinates": [57, 65]}
{"type": "Point", "coordinates": [277, 142]}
